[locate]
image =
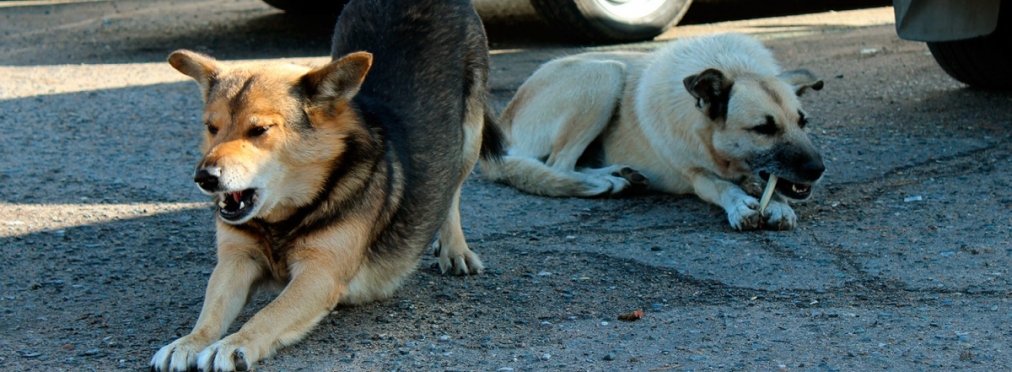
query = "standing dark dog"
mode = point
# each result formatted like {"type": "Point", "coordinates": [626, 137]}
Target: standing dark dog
{"type": "Point", "coordinates": [331, 182]}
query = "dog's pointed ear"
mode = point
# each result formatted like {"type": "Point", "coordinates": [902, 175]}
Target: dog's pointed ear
{"type": "Point", "coordinates": [712, 90]}
{"type": "Point", "coordinates": [200, 67]}
{"type": "Point", "coordinates": [338, 81]}
{"type": "Point", "coordinates": [800, 80]}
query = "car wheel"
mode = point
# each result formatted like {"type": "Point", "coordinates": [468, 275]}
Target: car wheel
{"type": "Point", "coordinates": [308, 7]}
{"type": "Point", "coordinates": [982, 62]}
{"type": "Point", "coordinates": [612, 20]}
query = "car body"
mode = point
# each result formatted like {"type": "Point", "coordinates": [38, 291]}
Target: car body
{"type": "Point", "coordinates": [970, 40]}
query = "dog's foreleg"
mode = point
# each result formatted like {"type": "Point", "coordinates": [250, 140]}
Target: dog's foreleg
{"type": "Point", "coordinates": [742, 208]}
{"type": "Point", "coordinates": [318, 278]}
{"type": "Point", "coordinates": [227, 292]}
{"type": "Point", "coordinates": [454, 255]}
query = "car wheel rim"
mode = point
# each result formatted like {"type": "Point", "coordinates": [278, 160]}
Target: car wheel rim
{"type": "Point", "coordinates": [630, 9]}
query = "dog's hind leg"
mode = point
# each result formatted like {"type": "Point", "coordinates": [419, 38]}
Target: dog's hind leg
{"type": "Point", "coordinates": [454, 255]}
{"type": "Point", "coordinates": [556, 115]}
{"type": "Point", "coordinates": [637, 181]}
{"type": "Point", "coordinates": [451, 247]}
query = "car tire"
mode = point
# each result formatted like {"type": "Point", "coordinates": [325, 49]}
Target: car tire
{"type": "Point", "coordinates": [983, 62]}
{"type": "Point", "coordinates": [612, 20]}
{"type": "Point", "coordinates": [308, 7]}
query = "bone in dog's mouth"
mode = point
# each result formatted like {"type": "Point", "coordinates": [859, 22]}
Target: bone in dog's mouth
{"type": "Point", "coordinates": [790, 189]}
{"type": "Point", "coordinates": [235, 205]}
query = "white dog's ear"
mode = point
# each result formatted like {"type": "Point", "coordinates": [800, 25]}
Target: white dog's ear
{"type": "Point", "coordinates": [712, 90]}
{"type": "Point", "coordinates": [200, 67]}
{"type": "Point", "coordinates": [800, 80]}
{"type": "Point", "coordinates": [338, 81]}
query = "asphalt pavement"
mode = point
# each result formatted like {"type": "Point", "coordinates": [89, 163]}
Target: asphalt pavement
{"type": "Point", "coordinates": [901, 260]}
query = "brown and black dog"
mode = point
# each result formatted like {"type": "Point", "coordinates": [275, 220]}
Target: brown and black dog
{"type": "Point", "coordinates": [330, 182]}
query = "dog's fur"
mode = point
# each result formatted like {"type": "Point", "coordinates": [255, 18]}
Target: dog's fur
{"type": "Point", "coordinates": [332, 181]}
{"type": "Point", "coordinates": [702, 115]}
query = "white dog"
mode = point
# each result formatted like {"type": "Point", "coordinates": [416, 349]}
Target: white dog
{"type": "Point", "coordinates": [701, 115]}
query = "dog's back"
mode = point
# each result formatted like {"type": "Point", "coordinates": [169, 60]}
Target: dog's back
{"type": "Point", "coordinates": [732, 53]}
{"type": "Point", "coordinates": [424, 52]}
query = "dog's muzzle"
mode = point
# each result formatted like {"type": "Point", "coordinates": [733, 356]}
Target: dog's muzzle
{"type": "Point", "coordinates": [797, 183]}
{"type": "Point", "coordinates": [207, 179]}
{"type": "Point", "coordinates": [233, 205]}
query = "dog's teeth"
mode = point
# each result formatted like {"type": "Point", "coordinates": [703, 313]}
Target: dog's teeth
{"type": "Point", "coordinates": [222, 203]}
{"type": "Point", "coordinates": [242, 205]}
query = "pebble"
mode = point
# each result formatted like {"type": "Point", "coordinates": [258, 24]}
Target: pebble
{"type": "Point", "coordinates": [29, 354]}
{"type": "Point", "coordinates": [90, 352]}
{"type": "Point", "coordinates": [504, 369]}
{"type": "Point", "coordinates": [546, 356]}
{"type": "Point", "coordinates": [610, 356]}
{"type": "Point", "coordinates": [656, 307]}
{"type": "Point", "coordinates": [444, 338]}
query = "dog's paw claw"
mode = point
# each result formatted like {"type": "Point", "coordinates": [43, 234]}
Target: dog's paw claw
{"type": "Point", "coordinates": [180, 355]}
{"type": "Point", "coordinates": [745, 215]}
{"type": "Point", "coordinates": [239, 360]}
{"type": "Point", "coordinates": [467, 263]}
{"type": "Point", "coordinates": [746, 222]}
{"type": "Point", "coordinates": [224, 355]}
{"type": "Point", "coordinates": [436, 248]}
{"type": "Point", "coordinates": [779, 216]}
{"type": "Point", "coordinates": [634, 177]}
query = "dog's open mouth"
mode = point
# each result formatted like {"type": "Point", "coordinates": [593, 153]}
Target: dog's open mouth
{"type": "Point", "coordinates": [234, 206]}
{"type": "Point", "coordinates": [789, 189]}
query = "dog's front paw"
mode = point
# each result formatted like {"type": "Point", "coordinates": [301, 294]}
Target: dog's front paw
{"type": "Point", "coordinates": [779, 216]}
{"type": "Point", "coordinates": [458, 261]}
{"type": "Point", "coordinates": [227, 355]}
{"type": "Point", "coordinates": [180, 355]}
{"type": "Point", "coordinates": [744, 215]}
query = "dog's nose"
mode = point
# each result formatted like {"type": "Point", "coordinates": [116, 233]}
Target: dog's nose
{"type": "Point", "coordinates": [206, 180]}
{"type": "Point", "coordinates": [812, 169]}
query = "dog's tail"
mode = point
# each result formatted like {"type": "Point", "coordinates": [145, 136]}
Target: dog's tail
{"type": "Point", "coordinates": [493, 141]}
{"type": "Point", "coordinates": [535, 177]}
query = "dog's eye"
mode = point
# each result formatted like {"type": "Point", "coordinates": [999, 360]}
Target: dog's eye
{"type": "Point", "coordinates": [257, 131]}
{"type": "Point", "coordinates": [803, 121]}
{"type": "Point", "coordinates": [768, 129]}
{"type": "Point", "coordinates": [212, 129]}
